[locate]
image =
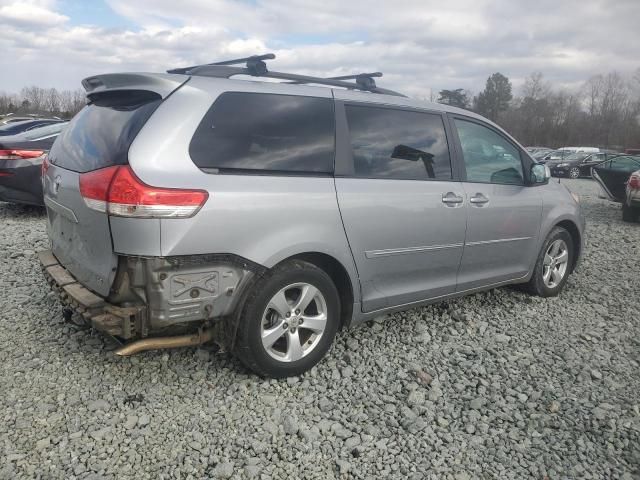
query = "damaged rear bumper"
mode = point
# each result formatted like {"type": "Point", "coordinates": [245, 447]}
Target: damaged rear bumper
{"type": "Point", "coordinates": [124, 322]}
{"type": "Point", "coordinates": [154, 296]}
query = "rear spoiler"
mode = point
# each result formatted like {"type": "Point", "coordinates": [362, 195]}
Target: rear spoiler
{"type": "Point", "coordinates": [160, 83]}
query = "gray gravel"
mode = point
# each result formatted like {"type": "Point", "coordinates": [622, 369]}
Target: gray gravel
{"type": "Point", "coordinates": [496, 385]}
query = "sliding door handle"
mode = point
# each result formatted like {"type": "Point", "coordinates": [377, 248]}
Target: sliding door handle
{"type": "Point", "coordinates": [478, 199]}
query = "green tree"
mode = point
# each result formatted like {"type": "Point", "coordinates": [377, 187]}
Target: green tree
{"type": "Point", "coordinates": [495, 98]}
{"type": "Point", "coordinates": [455, 98]}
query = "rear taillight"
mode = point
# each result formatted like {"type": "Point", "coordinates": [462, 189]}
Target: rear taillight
{"type": "Point", "coordinates": [117, 191]}
{"type": "Point", "coordinates": [19, 154]}
{"type": "Point", "coordinates": [634, 181]}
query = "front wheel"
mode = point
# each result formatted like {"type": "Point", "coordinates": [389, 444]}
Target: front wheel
{"type": "Point", "coordinates": [574, 172]}
{"type": "Point", "coordinates": [288, 321]}
{"type": "Point", "coordinates": [553, 264]}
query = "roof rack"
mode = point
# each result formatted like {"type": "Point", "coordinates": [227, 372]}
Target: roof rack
{"type": "Point", "coordinates": [256, 66]}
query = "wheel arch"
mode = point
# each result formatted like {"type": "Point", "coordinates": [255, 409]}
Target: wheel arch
{"type": "Point", "coordinates": [340, 277]}
{"type": "Point", "coordinates": [576, 239]}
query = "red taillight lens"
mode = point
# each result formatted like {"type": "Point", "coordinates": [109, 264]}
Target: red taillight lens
{"type": "Point", "coordinates": [117, 191]}
{"type": "Point", "coordinates": [19, 154]}
{"type": "Point", "coordinates": [94, 187]}
{"type": "Point", "coordinates": [634, 181]}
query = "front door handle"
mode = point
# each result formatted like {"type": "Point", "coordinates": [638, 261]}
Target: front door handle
{"type": "Point", "coordinates": [452, 199]}
{"type": "Point", "coordinates": [479, 199]}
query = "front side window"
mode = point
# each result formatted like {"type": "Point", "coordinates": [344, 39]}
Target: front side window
{"type": "Point", "coordinates": [398, 144]}
{"type": "Point", "coordinates": [266, 132]}
{"type": "Point", "coordinates": [488, 157]}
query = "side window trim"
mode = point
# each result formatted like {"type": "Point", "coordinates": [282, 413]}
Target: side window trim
{"type": "Point", "coordinates": [526, 165]}
{"type": "Point", "coordinates": [344, 163]}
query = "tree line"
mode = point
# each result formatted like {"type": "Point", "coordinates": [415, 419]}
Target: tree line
{"type": "Point", "coordinates": [604, 112]}
{"type": "Point", "coordinates": [43, 101]}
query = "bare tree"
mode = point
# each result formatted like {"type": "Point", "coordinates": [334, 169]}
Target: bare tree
{"type": "Point", "coordinates": [35, 96]}
{"type": "Point", "coordinates": [52, 101]}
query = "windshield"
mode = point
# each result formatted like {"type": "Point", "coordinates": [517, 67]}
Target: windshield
{"type": "Point", "coordinates": [100, 134]}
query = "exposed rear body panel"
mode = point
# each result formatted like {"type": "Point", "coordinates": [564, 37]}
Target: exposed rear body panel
{"type": "Point", "coordinates": [80, 237]}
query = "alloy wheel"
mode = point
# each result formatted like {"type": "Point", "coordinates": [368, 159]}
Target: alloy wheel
{"type": "Point", "coordinates": [293, 322]}
{"type": "Point", "coordinates": [574, 173]}
{"type": "Point", "coordinates": [556, 261]}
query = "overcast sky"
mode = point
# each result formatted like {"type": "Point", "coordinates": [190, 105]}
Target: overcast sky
{"type": "Point", "coordinates": [419, 44]}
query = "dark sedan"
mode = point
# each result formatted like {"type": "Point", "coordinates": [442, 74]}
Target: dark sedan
{"type": "Point", "coordinates": [578, 164]}
{"type": "Point", "coordinates": [15, 128]}
{"type": "Point", "coordinates": [21, 159]}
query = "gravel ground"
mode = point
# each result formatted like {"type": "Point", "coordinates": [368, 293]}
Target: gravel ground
{"type": "Point", "coordinates": [496, 385]}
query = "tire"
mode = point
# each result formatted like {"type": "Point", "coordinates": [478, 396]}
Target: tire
{"type": "Point", "coordinates": [264, 312]}
{"type": "Point", "coordinates": [629, 214]}
{"type": "Point", "coordinates": [538, 284]}
{"type": "Point", "coordinates": [574, 172]}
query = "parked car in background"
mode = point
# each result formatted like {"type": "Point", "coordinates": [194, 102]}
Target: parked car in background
{"type": "Point", "coordinates": [11, 117]}
{"type": "Point", "coordinates": [540, 154]}
{"type": "Point", "coordinates": [614, 177]}
{"type": "Point", "coordinates": [577, 164]}
{"type": "Point", "coordinates": [14, 128]}
{"type": "Point", "coordinates": [554, 156]}
{"type": "Point", "coordinates": [277, 213]}
{"type": "Point", "coordinates": [21, 158]}
{"type": "Point", "coordinates": [564, 152]}
{"type": "Point", "coordinates": [537, 149]}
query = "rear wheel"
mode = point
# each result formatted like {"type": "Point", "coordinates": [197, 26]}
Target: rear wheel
{"type": "Point", "coordinates": [289, 320]}
{"type": "Point", "coordinates": [553, 264]}
{"type": "Point", "coordinates": [630, 214]}
{"type": "Point", "coordinates": [574, 172]}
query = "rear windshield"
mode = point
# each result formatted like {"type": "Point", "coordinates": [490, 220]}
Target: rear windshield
{"type": "Point", "coordinates": [100, 135]}
{"type": "Point", "coordinates": [258, 132]}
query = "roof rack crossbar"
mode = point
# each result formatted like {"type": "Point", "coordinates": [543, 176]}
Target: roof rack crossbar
{"type": "Point", "coordinates": [255, 66]}
{"type": "Point", "coordinates": [356, 75]}
{"type": "Point", "coordinates": [364, 81]}
{"type": "Point", "coordinates": [255, 63]}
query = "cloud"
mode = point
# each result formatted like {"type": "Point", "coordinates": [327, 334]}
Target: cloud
{"type": "Point", "coordinates": [29, 15]}
{"type": "Point", "coordinates": [420, 45]}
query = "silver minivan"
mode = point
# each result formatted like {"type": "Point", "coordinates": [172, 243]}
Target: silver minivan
{"type": "Point", "coordinates": [209, 204]}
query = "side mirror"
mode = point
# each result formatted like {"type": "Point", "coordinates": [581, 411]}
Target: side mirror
{"type": "Point", "coordinates": [540, 174]}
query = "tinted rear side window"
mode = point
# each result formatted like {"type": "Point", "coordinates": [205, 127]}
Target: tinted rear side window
{"type": "Point", "coordinates": [398, 144]}
{"type": "Point", "coordinates": [100, 135]}
{"type": "Point", "coordinates": [266, 132]}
